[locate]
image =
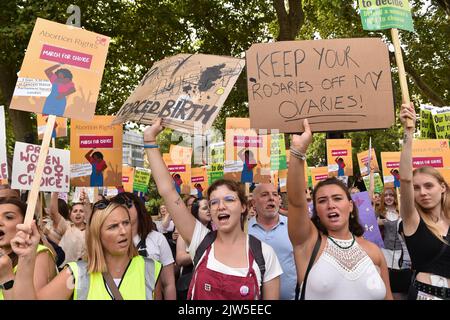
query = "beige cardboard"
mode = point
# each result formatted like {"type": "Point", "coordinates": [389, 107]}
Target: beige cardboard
{"type": "Point", "coordinates": [183, 90]}
{"type": "Point", "coordinates": [338, 84]}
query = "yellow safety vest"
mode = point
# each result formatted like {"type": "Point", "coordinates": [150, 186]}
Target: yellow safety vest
{"type": "Point", "coordinates": [40, 249]}
{"type": "Point", "coordinates": [138, 283]}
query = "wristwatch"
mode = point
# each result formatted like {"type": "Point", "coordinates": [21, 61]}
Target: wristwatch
{"type": "Point", "coordinates": [7, 285]}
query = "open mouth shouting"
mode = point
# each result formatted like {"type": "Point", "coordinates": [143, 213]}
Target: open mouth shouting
{"type": "Point", "coordinates": [333, 216]}
{"type": "Point", "coordinates": [2, 234]}
{"type": "Point", "coordinates": [223, 218]}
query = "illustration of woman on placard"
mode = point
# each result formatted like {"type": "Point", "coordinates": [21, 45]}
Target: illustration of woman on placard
{"type": "Point", "coordinates": [98, 166]}
{"type": "Point", "coordinates": [249, 163]}
{"type": "Point", "coordinates": [341, 165]}
{"type": "Point", "coordinates": [396, 175]}
{"type": "Point", "coordinates": [177, 182]}
{"type": "Point", "coordinates": [62, 86]}
{"type": "Point", "coordinates": [199, 188]}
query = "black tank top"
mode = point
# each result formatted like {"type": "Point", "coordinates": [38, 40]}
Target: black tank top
{"type": "Point", "coordinates": [424, 247]}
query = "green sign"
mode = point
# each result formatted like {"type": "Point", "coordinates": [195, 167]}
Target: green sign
{"type": "Point", "coordinates": [427, 130]}
{"type": "Point", "coordinates": [386, 14]}
{"type": "Point", "coordinates": [277, 152]}
{"type": "Point", "coordinates": [141, 179]}
{"type": "Point", "coordinates": [216, 159]}
{"type": "Point", "coordinates": [378, 184]}
{"type": "Point", "coordinates": [441, 120]}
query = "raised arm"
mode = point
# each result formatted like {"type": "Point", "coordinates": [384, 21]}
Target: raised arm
{"type": "Point", "coordinates": [300, 226]}
{"type": "Point", "coordinates": [54, 212]}
{"type": "Point", "coordinates": [183, 220]}
{"type": "Point", "coordinates": [408, 211]}
{"type": "Point", "coordinates": [88, 155]}
{"type": "Point", "coordinates": [49, 70]}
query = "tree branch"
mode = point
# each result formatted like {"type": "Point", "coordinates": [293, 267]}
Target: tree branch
{"type": "Point", "coordinates": [291, 23]}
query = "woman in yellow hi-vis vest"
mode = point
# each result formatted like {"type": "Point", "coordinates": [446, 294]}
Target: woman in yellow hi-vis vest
{"type": "Point", "coordinates": [12, 212]}
{"type": "Point", "coordinates": [113, 269]}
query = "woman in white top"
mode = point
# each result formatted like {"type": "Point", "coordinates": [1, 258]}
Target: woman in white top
{"type": "Point", "coordinates": [228, 258]}
{"type": "Point", "coordinates": [346, 266]}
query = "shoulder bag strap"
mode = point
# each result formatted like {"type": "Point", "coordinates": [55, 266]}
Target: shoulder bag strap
{"type": "Point", "coordinates": [206, 242]}
{"type": "Point", "coordinates": [112, 286]}
{"type": "Point", "coordinates": [311, 261]}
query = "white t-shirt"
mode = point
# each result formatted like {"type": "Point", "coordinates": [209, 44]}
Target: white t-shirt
{"type": "Point", "coordinates": [161, 229]}
{"type": "Point", "coordinates": [157, 247]}
{"type": "Point", "coordinates": [73, 241]}
{"type": "Point", "coordinates": [273, 267]}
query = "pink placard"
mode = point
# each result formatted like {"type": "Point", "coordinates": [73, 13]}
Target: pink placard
{"type": "Point", "coordinates": [70, 57]}
{"type": "Point", "coordinates": [96, 142]}
{"type": "Point", "coordinates": [436, 162]}
{"type": "Point", "coordinates": [246, 141]}
{"type": "Point", "coordinates": [176, 168]}
{"type": "Point", "coordinates": [321, 177]}
{"type": "Point", "coordinates": [393, 164]}
{"type": "Point", "coordinates": [125, 179]}
{"type": "Point", "coordinates": [197, 179]}
{"type": "Point", "coordinates": [336, 153]}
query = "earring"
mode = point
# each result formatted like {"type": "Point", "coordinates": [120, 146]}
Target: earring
{"type": "Point", "coordinates": [352, 216]}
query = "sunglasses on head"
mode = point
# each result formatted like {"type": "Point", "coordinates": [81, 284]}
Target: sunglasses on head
{"type": "Point", "coordinates": [102, 204]}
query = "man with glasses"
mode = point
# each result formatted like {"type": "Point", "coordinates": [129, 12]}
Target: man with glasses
{"type": "Point", "coordinates": [271, 227]}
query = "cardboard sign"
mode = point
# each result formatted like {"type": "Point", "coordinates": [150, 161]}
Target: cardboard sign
{"type": "Point", "coordinates": [61, 72]}
{"type": "Point", "coordinates": [60, 128]}
{"type": "Point", "coordinates": [141, 179]}
{"type": "Point", "coordinates": [390, 162]}
{"type": "Point", "coordinates": [386, 14]}
{"type": "Point", "coordinates": [339, 157]}
{"type": "Point", "coordinates": [427, 130]}
{"type": "Point", "coordinates": [89, 191]}
{"type": "Point", "coordinates": [441, 120]}
{"type": "Point", "coordinates": [187, 90]}
{"type": "Point", "coordinates": [216, 161]}
{"type": "Point", "coordinates": [96, 153]}
{"type": "Point", "coordinates": [199, 182]}
{"type": "Point", "coordinates": [181, 174]}
{"type": "Point", "coordinates": [318, 174]}
{"type": "Point", "coordinates": [180, 154]}
{"type": "Point", "coordinates": [367, 218]}
{"type": "Point", "coordinates": [339, 84]}
{"type": "Point", "coordinates": [55, 177]}
{"type": "Point", "coordinates": [277, 152]}
{"type": "Point", "coordinates": [3, 157]}
{"type": "Point", "coordinates": [127, 178]}
{"type": "Point", "coordinates": [363, 158]}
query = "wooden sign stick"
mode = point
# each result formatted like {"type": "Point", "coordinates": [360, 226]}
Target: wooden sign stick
{"type": "Point", "coordinates": [34, 193]}
{"type": "Point", "coordinates": [401, 71]}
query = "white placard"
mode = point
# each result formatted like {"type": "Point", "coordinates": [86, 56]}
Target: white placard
{"type": "Point", "coordinates": [90, 192]}
{"type": "Point", "coordinates": [80, 170]}
{"type": "Point", "coordinates": [55, 177]}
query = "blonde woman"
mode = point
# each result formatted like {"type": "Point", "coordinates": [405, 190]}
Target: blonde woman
{"type": "Point", "coordinates": [425, 210]}
{"type": "Point", "coordinates": [113, 270]}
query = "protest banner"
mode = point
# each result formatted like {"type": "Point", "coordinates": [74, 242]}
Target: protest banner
{"type": "Point", "coordinates": [181, 174]}
{"type": "Point", "coordinates": [127, 178]}
{"type": "Point", "coordinates": [333, 83]}
{"type": "Point", "coordinates": [3, 157]}
{"type": "Point", "coordinates": [318, 174]}
{"type": "Point", "coordinates": [60, 127]}
{"type": "Point", "coordinates": [363, 158]}
{"type": "Point", "coordinates": [431, 152]}
{"type": "Point", "coordinates": [367, 218]}
{"type": "Point", "coordinates": [394, 14]}
{"type": "Point", "coordinates": [90, 192]}
{"type": "Point", "coordinates": [180, 154]}
{"type": "Point", "coordinates": [96, 153]}
{"type": "Point", "coordinates": [199, 182]}
{"type": "Point", "coordinates": [61, 71]}
{"type": "Point", "coordinates": [186, 90]}
{"type": "Point", "coordinates": [386, 14]}
{"type": "Point", "coordinates": [378, 184]}
{"type": "Point", "coordinates": [277, 151]}
{"type": "Point", "coordinates": [390, 163]}
{"type": "Point", "coordinates": [339, 157]}
{"type": "Point", "coordinates": [55, 177]}
{"type": "Point", "coordinates": [216, 154]}
{"type": "Point", "coordinates": [441, 121]}
{"type": "Point", "coordinates": [141, 179]}
{"type": "Point", "coordinates": [427, 130]}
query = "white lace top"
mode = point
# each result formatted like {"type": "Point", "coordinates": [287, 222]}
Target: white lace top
{"type": "Point", "coordinates": [344, 274]}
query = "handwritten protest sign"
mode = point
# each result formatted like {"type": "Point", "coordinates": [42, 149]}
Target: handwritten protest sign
{"type": "Point", "coordinates": [3, 157]}
{"type": "Point", "coordinates": [386, 14]}
{"type": "Point", "coordinates": [339, 84]}
{"type": "Point", "coordinates": [318, 174]}
{"type": "Point", "coordinates": [390, 162]}
{"type": "Point", "coordinates": [96, 152]}
{"type": "Point", "coordinates": [127, 178]}
{"type": "Point", "coordinates": [339, 157]}
{"type": "Point", "coordinates": [55, 176]}
{"type": "Point", "coordinates": [367, 218]}
{"type": "Point", "coordinates": [199, 182]}
{"type": "Point", "coordinates": [216, 161]}
{"type": "Point", "coordinates": [60, 128]}
{"type": "Point", "coordinates": [141, 179]}
{"type": "Point", "coordinates": [427, 130]}
{"type": "Point", "coordinates": [441, 120]}
{"type": "Point", "coordinates": [61, 72]}
{"type": "Point", "coordinates": [183, 89]}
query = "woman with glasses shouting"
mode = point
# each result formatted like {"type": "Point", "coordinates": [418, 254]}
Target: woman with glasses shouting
{"type": "Point", "coordinates": [225, 267]}
{"type": "Point", "coordinates": [113, 269]}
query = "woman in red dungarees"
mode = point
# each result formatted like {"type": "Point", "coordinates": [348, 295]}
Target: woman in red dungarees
{"type": "Point", "coordinates": [227, 270]}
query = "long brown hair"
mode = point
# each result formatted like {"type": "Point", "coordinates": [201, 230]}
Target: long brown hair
{"type": "Point", "coordinates": [382, 207]}
{"type": "Point", "coordinates": [353, 224]}
{"type": "Point", "coordinates": [445, 201]}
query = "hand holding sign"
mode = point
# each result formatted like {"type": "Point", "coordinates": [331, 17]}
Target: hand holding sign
{"type": "Point", "coordinates": [301, 142]}
{"type": "Point", "coordinates": [151, 132]}
{"type": "Point", "coordinates": [407, 115]}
